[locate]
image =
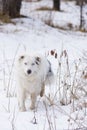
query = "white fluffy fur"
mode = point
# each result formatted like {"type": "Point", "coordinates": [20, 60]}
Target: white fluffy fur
{"type": "Point", "coordinates": [33, 73]}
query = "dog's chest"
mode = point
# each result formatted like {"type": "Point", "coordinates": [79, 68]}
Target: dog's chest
{"type": "Point", "coordinates": [33, 86]}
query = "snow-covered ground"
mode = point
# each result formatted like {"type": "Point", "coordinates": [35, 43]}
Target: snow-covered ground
{"type": "Point", "coordinates": [32, 35]}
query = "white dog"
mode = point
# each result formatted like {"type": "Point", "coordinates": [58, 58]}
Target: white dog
{"type": "Point", "coordinates": [33, 73]}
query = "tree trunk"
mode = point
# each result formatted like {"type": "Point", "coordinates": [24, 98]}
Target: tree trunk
{"type": "Point", "coordinates": [56, 4]}
{"type": "Point", "coordinates": [10, 7]}
{"type": "Point", "coordinates": [81, 14]}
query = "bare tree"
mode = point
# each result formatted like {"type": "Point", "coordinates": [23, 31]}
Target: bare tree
{"type": "Point", "coordinates": [81, 14]}
{"type": "Point", "coordinates": [81, 3]}
{"type": "Point", "coordinates": [56, 4]}
{"type": "Point", "coordinates": [10, 7]}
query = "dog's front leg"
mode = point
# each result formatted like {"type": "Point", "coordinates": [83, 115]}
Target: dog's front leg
{"type": "Point", "coordinates": [21, 99]}
{"type": "Point", "coordinates": [33, 101]}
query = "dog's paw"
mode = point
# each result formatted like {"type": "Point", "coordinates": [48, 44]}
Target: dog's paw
{"type": "Point", "coordinates": [41, 93]}
{"type": "Point", "coordinates": [32, 107]}
{"type": "Point", "coordinates": [22, 109]}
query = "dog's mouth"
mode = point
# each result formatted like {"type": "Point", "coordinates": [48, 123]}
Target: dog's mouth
{"type": "Point", "coordinates": [31, 77]}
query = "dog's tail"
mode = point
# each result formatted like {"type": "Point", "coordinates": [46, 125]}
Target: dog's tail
{"type": "Point", "coordinates": [50, 75]}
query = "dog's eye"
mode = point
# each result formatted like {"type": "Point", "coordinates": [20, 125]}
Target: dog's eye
{"type": "Point", "coordinates": [33, 64]}
{"type": "Point", "coordinates": [25, 63]}
{"type": "Point", "coordinates": [37, 63]}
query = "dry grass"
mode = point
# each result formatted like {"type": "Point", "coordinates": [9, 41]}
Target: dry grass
{"type": "Point", "coordinates": [83, 30]}
{"type": "Point", "coordinates": [71, 80]}
{"type": "Point", "coordinates": [44, 9]}
{"type": "Point", "coordinates": [5, 18]}
{"type": "Point", "coordinates": [48, 9]}
{"type": "Point", "coordinates": [71, 89]}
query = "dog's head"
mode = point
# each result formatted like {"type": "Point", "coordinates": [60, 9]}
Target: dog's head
{"type": "Point", "coordinates": [30, 65]}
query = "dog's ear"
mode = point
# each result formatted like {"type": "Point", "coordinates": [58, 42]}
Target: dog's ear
{"type": "Point", "coordinates": [21, 57]}
{"type": "Point", "coordinates": [37, 60]}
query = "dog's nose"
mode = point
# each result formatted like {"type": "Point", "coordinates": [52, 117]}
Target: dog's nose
{"type": "Point", "coordinates": [29, 71]}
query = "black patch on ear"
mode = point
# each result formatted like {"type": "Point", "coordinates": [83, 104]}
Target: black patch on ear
{"type": "Point", "coordinates": [37, 60]}
{"type": "Point", "coordinates": [21, 57]}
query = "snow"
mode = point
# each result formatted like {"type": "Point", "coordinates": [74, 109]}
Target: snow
{"type": "Point", "coordinates": [31, 34]}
